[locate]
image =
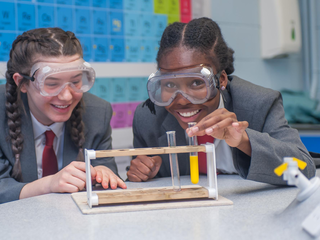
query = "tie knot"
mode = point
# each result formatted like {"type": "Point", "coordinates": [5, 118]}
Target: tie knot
{"type": "Point", "coordinates": [49, 138]}
{"type": "Point", "coordinates": [204, 139]}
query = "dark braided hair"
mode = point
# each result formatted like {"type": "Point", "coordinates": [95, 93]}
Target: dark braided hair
{"type": "Point", "coordinates": [47, 42]}
{"type": "Point", "coordinates": [77, 128]}
{"type": "Point", "coordinates": [201, 34]}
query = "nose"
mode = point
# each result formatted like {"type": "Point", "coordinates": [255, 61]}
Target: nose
{"type": "Point", "coordinates": [66, 93]}
{"type": "Point", "coordinates": [180, 99]}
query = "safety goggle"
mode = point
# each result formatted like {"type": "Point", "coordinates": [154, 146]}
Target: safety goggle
{"type": "Point", "coordinates": [198, 84]}
{"type": "Point", "coordinates": [51, 78]}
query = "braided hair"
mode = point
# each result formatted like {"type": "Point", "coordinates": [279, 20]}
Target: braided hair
{"type": "Point", "coordinates": [201, 34]}
{"type": "Point", "coordinates": [47, 42]}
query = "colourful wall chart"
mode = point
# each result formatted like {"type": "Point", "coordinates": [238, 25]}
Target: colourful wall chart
{"type": "Point", "coordinates": [109, 31]}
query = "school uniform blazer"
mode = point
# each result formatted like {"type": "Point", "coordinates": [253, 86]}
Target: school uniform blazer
{"type": "Point", "coordinates": [270, 136]}
{"type": "Point", "coordinates": [97, 132]}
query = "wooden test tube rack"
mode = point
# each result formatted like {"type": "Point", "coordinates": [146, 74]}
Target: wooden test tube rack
{"type": "Point", "coordinates": [157, 194]}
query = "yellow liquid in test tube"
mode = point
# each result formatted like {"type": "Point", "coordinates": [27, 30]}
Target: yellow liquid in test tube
{"type": "Point", "coordinates": [194, 164]}
{"type": "Point", "coordinates": [194, 169]}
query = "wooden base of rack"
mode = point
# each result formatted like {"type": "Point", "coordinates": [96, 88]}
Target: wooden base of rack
{"type": "Point", "coordinates": [142, 199]}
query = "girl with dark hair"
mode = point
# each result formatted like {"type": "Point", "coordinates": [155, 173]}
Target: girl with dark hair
{"type": "Point", "coordinates": [246, 122]}
{"type": "Point", "coordinates": [48, 118]}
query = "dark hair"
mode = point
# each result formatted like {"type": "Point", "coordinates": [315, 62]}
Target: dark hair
{"type": "Point", "coordinates": [201, 34]}
{"type": "Point", "coordinates": [48, 42]}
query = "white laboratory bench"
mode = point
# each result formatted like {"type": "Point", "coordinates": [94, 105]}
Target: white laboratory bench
{"type": "Point", "coordinates": [259, 211]}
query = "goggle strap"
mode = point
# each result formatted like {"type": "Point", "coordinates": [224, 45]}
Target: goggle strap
{"type": "Point", "coordinates": [28, 77]}
{"type": "Point", "coordinates": [217, 77]}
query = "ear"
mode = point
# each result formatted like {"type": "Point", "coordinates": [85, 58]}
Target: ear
{"type": "Point", "coordinates": [223, 79]}
{"type": "Point", "coordinates": [17, 79]}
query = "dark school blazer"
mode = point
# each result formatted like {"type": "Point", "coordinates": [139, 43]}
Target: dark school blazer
{"type": "Point", "coordinates": [270, 136]}
{"type": "Point", "coordinates": [97, 132]}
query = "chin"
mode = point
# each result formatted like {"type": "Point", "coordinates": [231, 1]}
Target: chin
{"type": "Point", "coordinates": [183, 125]}
{"type": "Point", "coordinates": [61, 119]}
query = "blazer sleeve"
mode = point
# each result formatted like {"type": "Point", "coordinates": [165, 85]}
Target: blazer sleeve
{"type": "Point", "coordinates": [138, 141]}
{"type": "Point", "coordinates": [97, 119]}
{"type": "Point", "coordinates": [275, 141]}
{"type": "Point", "coordinates": [9, 188]}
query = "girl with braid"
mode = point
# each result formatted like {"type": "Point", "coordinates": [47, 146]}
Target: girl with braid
{"type": "Point", "coordinates": [193, 83]}
{"type": "Point", "coordinates": [49, 118]}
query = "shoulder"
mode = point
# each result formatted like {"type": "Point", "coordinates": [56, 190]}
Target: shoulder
{"type": "Point", "coordinates": [2, 93]}
{"type": "Point", "coordinates": [93, 101]}
{"type": "Point", "coordinates": [2, 104]}
{"type": "Point", "coordinates": [147, 123]}
{"type": "Point", "coordinates": [143, 114]}
{"type": "Point", "coordinates": [240, 87]}
{"type": "Point", "coordinates": [244, 92]}
{"type": "Point", "coordinates": [2, 88]}
{"type": "Point", "coordinates": [95, 108]}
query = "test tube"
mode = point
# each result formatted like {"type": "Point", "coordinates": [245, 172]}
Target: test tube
{"type": "Point", "coordinates": [174, 165]}
{"type": "Point", "coordinates": [194, 164]}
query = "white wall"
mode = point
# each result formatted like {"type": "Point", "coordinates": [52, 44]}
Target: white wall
{"type": "Point", "coordinates": [240, 26]}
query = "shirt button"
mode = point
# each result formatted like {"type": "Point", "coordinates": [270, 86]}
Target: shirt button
{"type": "Point", "coordinates": [43, 142]}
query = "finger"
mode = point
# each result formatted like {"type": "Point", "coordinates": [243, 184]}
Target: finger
{"type": "Point", "coordinates": [240, 125]}
{"type": "Point", "coordinates": [99, 176]}
{"type": "Point", "coordinates": [149, 162]}
{"type": "Point", "coordinates": [72, 171]}
{"type": "Point", "coordinates": [79, 174]}
{"type": "Point", "coordinates": [192, 131]}
{"type": "Point", "coordinates": [121, 183]}
{"type": "Point", "coordinates": [142, 165]}
{"type": "Point", "coordinates": [214, 118]}
{"type": "Point", "coordinates": [80, 184]}
{"type": "Point", "coordinates": [133, 177]}
{"type": "Point", "coordinates": [219, 126]}
{"type": "Point", "coordinates": [144, 177]}
{"type": "Point", "coordinates": [79, 165]}
{"type": "Point", "coordinates": [93, 172]}
{"type": "Point", "coordinates": [69, 188]}
{"type": "Point", "coordinates": [105, 181]}
{"type": "Point", "coordinates": [113, 181]}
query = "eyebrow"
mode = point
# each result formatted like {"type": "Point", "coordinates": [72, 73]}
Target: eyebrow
{"type": "Point", "coordinates": [53, 78]}
{"type": "Point", "coordinates": [79, 74]}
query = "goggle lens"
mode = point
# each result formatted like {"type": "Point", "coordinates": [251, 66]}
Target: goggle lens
{"type": "Point", "coordinates": [196, 84]}
{"type": "Point", "coordinates": [80, 81]}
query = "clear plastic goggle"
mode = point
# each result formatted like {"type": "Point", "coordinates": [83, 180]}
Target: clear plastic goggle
{"type": "Point", "coordinates": [51, 78]}
{"type": "Point", "coordinates": [198, 84]}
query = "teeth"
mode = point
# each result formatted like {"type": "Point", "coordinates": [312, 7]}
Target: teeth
{"type": "Point", "coordinates": [189, 114]}
{"type": "Point", "coordinates": [58, 106]}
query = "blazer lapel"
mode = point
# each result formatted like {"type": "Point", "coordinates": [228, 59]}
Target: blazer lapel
{"type": "Point", "coordinates": [171, 124]}
{"type": "Point", "coordinates": [227, 100]}
{"type": "Point", "coordinates": [70, 150]}
{"type": "Point", "coordinates": [229, 97]}
{"type": "Point", "coordinates": [28, 155]}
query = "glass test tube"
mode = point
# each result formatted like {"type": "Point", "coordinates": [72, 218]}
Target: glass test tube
{"type": "Point", "coordinates": [194, 163]}
{"type": "Point", "coordinates": [174, 165]}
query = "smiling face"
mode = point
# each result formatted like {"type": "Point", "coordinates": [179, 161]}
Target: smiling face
{"type": "Point", "coordinates": [48, 110]}
{"type": "Point", "coordinates": [181, 108]}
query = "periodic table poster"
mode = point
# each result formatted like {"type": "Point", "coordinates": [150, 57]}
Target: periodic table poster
{"type": "Point", "coordinates": [117, 31]}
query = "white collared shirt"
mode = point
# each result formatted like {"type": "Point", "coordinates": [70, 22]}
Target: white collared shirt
{"type": "Point", "coordinates": [40, 141]}
{"type": "Point", "coordinates": [223, 152]}
{"type": "Point", "coordinates": [224, 160]}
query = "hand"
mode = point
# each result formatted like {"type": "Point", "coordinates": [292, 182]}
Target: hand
{"type": "Point", "coordinates": [71, 178]}
{"type": "Point", "coordinates": [106, 176]}
{"type": "Point", "coordinates": [223, 124]}
{"type": "Point", "coordinates": [143, 168]}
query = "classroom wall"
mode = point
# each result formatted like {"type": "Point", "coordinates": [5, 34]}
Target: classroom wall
{"type": "Point", "coordinates": [240, 25]}
{"type": "Point", "coordinates": [317, 11]}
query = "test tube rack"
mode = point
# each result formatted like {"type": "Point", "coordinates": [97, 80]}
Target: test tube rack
{"type": "Point", "coordinates": [209, 191]}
